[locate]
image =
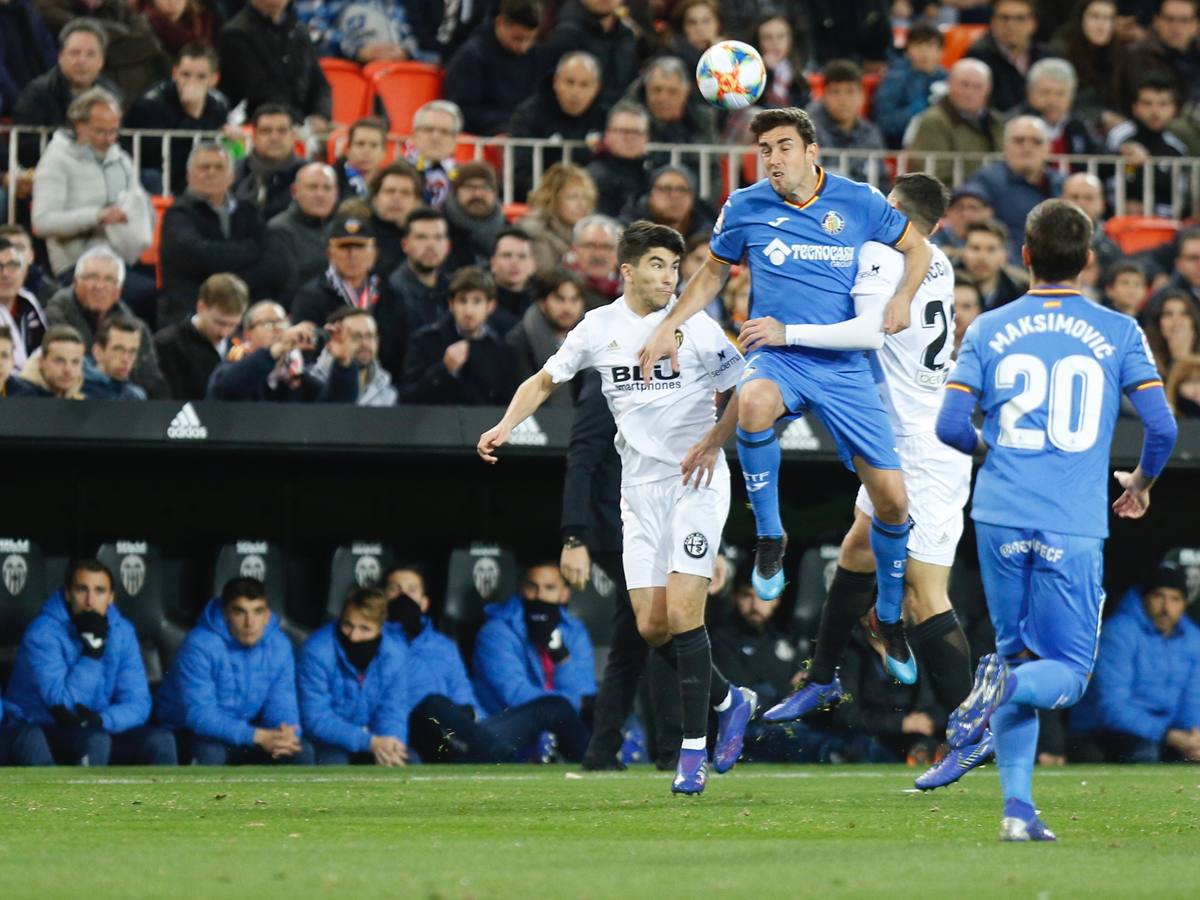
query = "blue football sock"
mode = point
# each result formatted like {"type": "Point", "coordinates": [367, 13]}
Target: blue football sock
{"type": "Point", "coordinates": [1015, 728]}
{"type": "Point", "coordinates": [889, 543]}
{"type": "Point", "coordinates": [758, 454]}
{"type": "Point", "coordinates": [1047, 684]}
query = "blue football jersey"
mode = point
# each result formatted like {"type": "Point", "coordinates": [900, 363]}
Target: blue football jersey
{"type": "Point", "coordinates": [803, 258]}
{"type": "Point", "coordinates": [1049, 369]}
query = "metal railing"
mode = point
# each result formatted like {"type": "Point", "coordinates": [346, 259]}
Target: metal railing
{"type": "Point", "coordinates": [710, 161]}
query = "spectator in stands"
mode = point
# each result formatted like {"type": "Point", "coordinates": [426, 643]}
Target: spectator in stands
{"type": "Point", "coordinates": [178, 23]}
{"type": "Point", "coordinates": [298, 233]}
{"type": "Point", "coordinates": [106, 371]}
{"type": "Point", "coordinates": [1183, 388]}
{"type": "Point", "coordinates": [491, 73]}
{"type": "Point", "coordinates": [460, 360]}
{"type": "Point", "coordinates": [564, 108]}
{"type": "Point", "coordinates": [206, 231]}
{"type": "Point", "coordinates": [86, 193]}
{"type": "Point", "coordinates": [20, 310]}
{"type": "Point", "coordinates": [566, 195]}
{"type": "Point", "coordinates": [56, 369]}
{"type": "Point", "coordinates": [1050, 95]}
{"type": "Point", "coordinates": [27, 50]}
{"type": "Point", "coordinates": [1143, 704]}
{"type": "Point", "coordinates": [396, 190]}
{"type": "Point", "coordinates": [960, 122]}
{"type": "Point", "coordinates": [269, 365]}
{"type": "Point", "coordinates": [907, 89]}
{"type": "Point", "coordinates": [422, 281]}
{"type": "Point", "coordinates": [595, 27]}
{"type": "Point", "coordinates": [447, 722]}
{"type": "Point", "coordinates": [1009, 49]}
{"type": "Point", "coordinates": [1022, 181]}
{"type": "Point", "coordinates": [1172, 325]}
{"type": "Point", "coordinates": [267, 57]}
{"type": "Point", "coordinates": [531, 646]}
{"type": "Point", "coordinates": [678, 114]}
{"type": "Point", "coordinates": [265, 175]}
{"type": "Point", "coordinates": [79, 677]}
{"type": "Point", "coordinates": [45, 99]}
{"type": "Point", "coordinates": [374, 31]}
{"type": "Point", "coordinates": [1090, 44]}
{"type": "Point", "coordinates": [357, 328]}
{"type": "Point", "coordinates": [191, 349]}
{"type": "Point", "coordinates": [967, 205]}
{"type": "Point", "coordinates": [443, 26]}
{"type": "Point", "coordinates": [620, 167]}
{"type": "Point", "coordinates": [436, 127]}
{"type": "Point", "coordinates": [93, 296]}
{"type": "Point", "coordinates": [968, 304]}
{"type": "Point", "coordinates": [231, 692]}
{"type": "Point", "coordinates": [349, 278]}
{"type": "Point", "coordinates": [34, 277]}
{"type": "Point", "coordinates": [366, 150]}
{"type": "Point", "coordinates": [697, 25]}
{"type": "Point", "coordinates": [1148, 134]}
{"type": "Point", "coordinates": [1171, 49]}
{"type": "Point", "coordinates": [187, 101]}
{"type": "Point", "coordinates": [593, 256]}
{"type": "Point", "coordinates": [512, 266]}
{"type": "Point", "coordinates": [353, 686]}
{"type": "Point", "coordinates": [1087, 192]}
{"type": "Point", "coordinates": [11, 385]}
{"type": "Point", "coordinates": [1186, 275]}
{"type": "Point", "coordinates": [786, 84]}
{"type": "Point", "coordinates": [672, 201]}
{"type": "Point", "coordinates": [839, 125]}
{"type": "Point", "coordinates": [859, 30]}
{"type": "Point", "coordinates": [544, 326]}
{"type": "Point", "coordinates": [1125, 286]}
{"type": "Point", "coordinates": [985, 256]}
{"type": "Point", "coordinates": [473, 214]}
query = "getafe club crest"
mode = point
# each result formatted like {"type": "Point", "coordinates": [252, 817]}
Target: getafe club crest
{"type": "Point", "coordinates": [833, 223]}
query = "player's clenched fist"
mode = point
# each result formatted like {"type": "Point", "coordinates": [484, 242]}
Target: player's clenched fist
{"type": "Point", "coordinates": [490, 441]}
{"type": "Point", "coordinates": [661, 344]}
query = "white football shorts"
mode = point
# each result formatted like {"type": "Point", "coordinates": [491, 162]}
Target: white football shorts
{"type": "Point", "coordinates": [669, 527]}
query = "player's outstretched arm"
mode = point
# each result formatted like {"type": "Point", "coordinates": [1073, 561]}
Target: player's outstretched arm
{"type": "Point", "coordinates": [1161, 431]}
{"type": "Point", "coordinates": [701, 460]}
{"type": "Point", "coordinates": [863, 332]}
{"type": "Point", "coordinates": [532, 393]}
{"type": "Point", "coordinates": [917, 257]}
{"type": "Point", "coordinates": [699, 292]}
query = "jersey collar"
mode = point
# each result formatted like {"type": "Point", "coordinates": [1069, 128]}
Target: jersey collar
{"type": "Point", "coordinates": [1053, 294]}
{"type": "Point", "coordinates": [816, 193]}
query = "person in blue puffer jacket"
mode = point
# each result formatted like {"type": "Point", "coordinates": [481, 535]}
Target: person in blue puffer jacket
{"type": "Point", "coordinates": [79, 677]}
{"type": "Point", "coordinates": [447, 723]}
{"type": "Point", "coordinates": [231, 693]}
{"type": "Point", "coordinates": [354, 686]}
{"type": "Point", "coordinates": [1143, 704]}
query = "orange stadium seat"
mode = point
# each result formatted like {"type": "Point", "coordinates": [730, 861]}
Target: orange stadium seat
{"type": "Point", "coordinates": [150, 256]}
{"type": "Point", "coordinates": [958, 38]}
{"type": "Point", "coordinates": [514, 211]}
{"type": "Point", "coordinates": [404, 87]}
{"type": "Point", "coordinates": [1134, 234]}
{"type": "Point", "coordinates": [353, 94]}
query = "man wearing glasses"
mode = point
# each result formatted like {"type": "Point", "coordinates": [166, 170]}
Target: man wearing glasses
{"type": "Point", "coordinates": [1171, 48]}
{"type": "Point", "coordinates": [436, 127]}
{"type": "Point", "coordinates": [1009, 50]}
{"type": "Point", "coordinates": [620, 167]}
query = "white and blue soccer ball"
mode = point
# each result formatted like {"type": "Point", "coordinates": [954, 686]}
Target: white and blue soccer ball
{"type": "Point", "coordinates": [731, 75]}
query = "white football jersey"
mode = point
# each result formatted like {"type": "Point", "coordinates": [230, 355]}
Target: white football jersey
{"type": "Point", "coordinates": [916, 361]}
{"type": "Point", "coordinates": [658, 422]}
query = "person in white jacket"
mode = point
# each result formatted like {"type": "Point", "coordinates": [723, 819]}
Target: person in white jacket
{"type": "Point", "coordinates": [86, 191]}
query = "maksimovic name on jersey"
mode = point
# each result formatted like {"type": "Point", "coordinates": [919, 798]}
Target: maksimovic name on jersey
{"type": "Point", "coordinates": [1040, 323]}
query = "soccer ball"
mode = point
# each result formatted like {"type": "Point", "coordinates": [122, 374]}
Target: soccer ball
{"type": "Point", "coordinates": [731, 75]}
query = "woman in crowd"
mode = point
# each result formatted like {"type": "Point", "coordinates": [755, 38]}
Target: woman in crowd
{"type": "Point", "coordinates": [566, 194]}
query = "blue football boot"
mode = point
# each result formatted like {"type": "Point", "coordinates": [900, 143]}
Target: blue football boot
{"type": "Point", "coordinates": [767, 577]}
{"type": "Point", "coordinates": [957, 763]}
{"type": "Point", "coordinates": [731, 728]}
{"type": "Point", "coordinates": [992, 687]}
{"type": "Point", "coordinates": [691, 773]}
{"type": "Point", "coordinates": [811, 696]}
{"type": "Point", "coordinates": [1021, 824]}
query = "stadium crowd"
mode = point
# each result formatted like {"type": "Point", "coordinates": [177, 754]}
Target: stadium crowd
{"type": "Point", "coordinates": [388, 271]}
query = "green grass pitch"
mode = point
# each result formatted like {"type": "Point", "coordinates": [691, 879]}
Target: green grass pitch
{"type": "Point", "coordinates": [530, 832]}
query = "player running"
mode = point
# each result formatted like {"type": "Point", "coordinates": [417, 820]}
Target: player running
{"type": "Point", "coordinates": [672, 528]}
{"type": "Point", "coordinates": [801, 229]}
{"type": "Point", "coordinates": [1047, 370]}
{"type": "Point", "coordinates": [911, 373]}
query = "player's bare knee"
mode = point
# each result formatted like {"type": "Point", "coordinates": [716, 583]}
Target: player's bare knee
{"type": "Point", "coordinates": [652, 626]}
{"type": "Point", "coordinates": [759, 405]}
{"type": "Point", "coordinates": [891, 505]}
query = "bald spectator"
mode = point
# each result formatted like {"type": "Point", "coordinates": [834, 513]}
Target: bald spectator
{"type": "Point", "coordinates": [960, 122]}
{"type": "Point", "coordinates": [967, 206]}
{"type": "Point", "coordinates": [189, 351]}
{"type": "Point", "coordinates": [1009, 49]}
{"type": "Point", "coordinates": [436, 127]}
{"type": "Point", "coordinates": [267, 57]}
{"type": "Point", "coordinates": [1050, 95]}
{"type": "Point", "coordinates": [620, 167]}
{"type": "Point", "coordinates": [366, 150]}
{"type": "Point", "coordinates": [595, 27]}
{"type": "Point", "coordinates": [1171, 47]}
{"type": "Point", "coordinates": [422, 281]}
{"type": "Point", "coordinates": [1087, 192]}
{"type": "Point", "coordinates": [1022, 181]}
{"type": "Point", "coordinates": [20, 310]}
{"type": "Point", "coordinates": [491, 73]}
{"type": "Point", "coordinates": [593, 256]}
{"type": "Point", "coordinates": [298, 233]}
{"type": "Point", "coordinates": [205, 232]}
{"type": "Point", "coordinates": [264, 177]}
{"type": "Point", "coordinates": [93, 296]}
{"type": "Point", "coordinates": [473, 215]}
{"type": "Point", "coordinates": [56, 370]}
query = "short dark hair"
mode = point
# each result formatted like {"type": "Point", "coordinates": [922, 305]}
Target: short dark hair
{"type": "Point", "coordinates": [61, 333]}
{"type": "Point", "coordinates": [472, 278]}
{"type": "Point", "coordinates": [374, 123]}
{"type": "Point", "coordinates": [6, 244]}
{"type": "Point", "coordinates": [273, 109]}
{"type": "Point", "coordinates": [1194, 4]}
{"type": "Point", "coordinates": [401, 167]}
{"type": "Point", "coordinates": [991, 226]}
{"type": "Point", "coordinates": [347, 312]}
{"type": "Point", "coordinates": [923, 199]}
{"type": "Point", "coordinates": [6, 334]}
{"type": "Point", "coordinates": [963, 279]}
{"type": "Point", "coordinates": [200, 50]}
{"type": "Point", "coordinates": [549, 281]}
{"type": "Point", "coordinates": [1058, 234]}
{"type": "Point", "coordinates": [511, 231]}
{"type": "Point", "coordinates": [924, 33]}
{"type": "Point", "coordinates": [9, 230]}
{"type": "Point", "coordinates": [1124, 267]}
{"type": "Point", "coordinates": [87, 564]}
{"type": "Point", "coordinates": [786, 117]}
{"type": "Point", "coordinates": [423, 214]}
{"type": "Point", "coordinates": [1158, 82]}
{"type": "Point", "coordinates": [1031, 4]}
{"type": "Point", "coordinates": [526, 13]}
{"type": "Point", "coordinates": [242, 587]}
{"type": "Point", "coordinates": [109, 324]}
{"type": "Point", "coordinates": [641, 237]}
{"type": "Point", "coordinates": [842, 71]}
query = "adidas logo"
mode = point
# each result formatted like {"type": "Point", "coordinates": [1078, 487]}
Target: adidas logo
{"type": "Point", "coordinates": [613, 345]}
{"type": "Point", "coordinates": [528, 434]}
{"type": "Point", "coordinates": [799, 436]}
{"type": "Point", "coordinates": [186, 425]}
